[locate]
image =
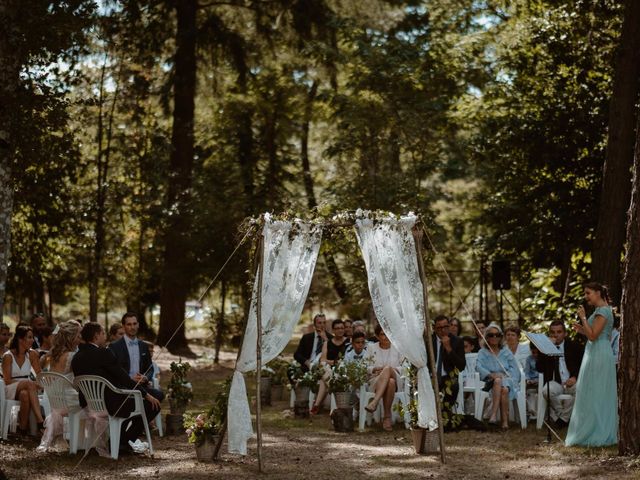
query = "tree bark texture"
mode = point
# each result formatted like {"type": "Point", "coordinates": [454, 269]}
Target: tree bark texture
{"type": "Point", "coordinates": [616, 187]}
{"type": "Point", "coordinates": [629, 369]}
{"type": "Point", "coordinates": [175, 272]}
{"type": "Point", "coordinates": [339, 285]}
{"type": "Point", "coordinates": [10, 40]}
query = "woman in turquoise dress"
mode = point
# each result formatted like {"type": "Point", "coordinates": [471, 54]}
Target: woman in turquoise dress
{"type": "Point", "coordinates": [594, 420]}
{"type": "Point", "coordinates": [498, 368]}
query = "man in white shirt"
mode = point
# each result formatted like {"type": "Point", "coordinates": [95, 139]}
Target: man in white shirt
{"type": "Point", "coordinates": [561, 374]}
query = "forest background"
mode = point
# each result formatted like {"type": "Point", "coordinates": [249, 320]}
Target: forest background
{"type": "Point", "coordinates": [137, 137]}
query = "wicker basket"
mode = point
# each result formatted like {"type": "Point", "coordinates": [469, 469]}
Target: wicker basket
{"type": "Point", "coordinates": [425, 442]}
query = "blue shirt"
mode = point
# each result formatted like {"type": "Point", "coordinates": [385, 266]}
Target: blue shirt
{"type": "Point", "coordinates": [134, 355]}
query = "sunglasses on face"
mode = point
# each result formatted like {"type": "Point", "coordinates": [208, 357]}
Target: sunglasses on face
{"type": "Point", "coordinates": [493, 335]}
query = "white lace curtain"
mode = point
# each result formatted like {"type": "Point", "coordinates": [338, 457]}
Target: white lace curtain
{"type": "Point", "coordinates": [290, 254]}
{"type": "Point", "coordinates": [389, 252]}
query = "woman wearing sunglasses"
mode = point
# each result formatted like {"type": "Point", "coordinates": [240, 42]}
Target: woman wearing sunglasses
{"type": "Point", "coordinates": [499, 370]}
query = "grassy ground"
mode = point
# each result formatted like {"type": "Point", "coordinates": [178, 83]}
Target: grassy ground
{"type": "Point", "coordinates": [301, 449]}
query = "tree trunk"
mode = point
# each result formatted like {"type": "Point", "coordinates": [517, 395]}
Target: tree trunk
{"type": "Point", "coordinates": [220, 327]}
{"type": "Point", "coordinates": [616, 188]}
{"type": "Point", "coordinates": [629, 369]}
{"type": "Point", "coordinates": [9, 81]}
{"type": "Point", "coordinates": [339, 285]}
{"type": "Point", "coordinates": [175, 272]}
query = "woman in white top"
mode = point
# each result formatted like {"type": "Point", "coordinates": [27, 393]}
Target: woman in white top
{"type": "Point", "coordinates": [64, 348]}
{"type": "Point", "coordinates": [16, 368]}
{"type": "Point", "coordinates": [384, 366]}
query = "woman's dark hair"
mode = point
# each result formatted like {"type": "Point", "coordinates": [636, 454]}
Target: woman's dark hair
{"type": "Point", "coordinates": [598, 287]}
{"type": "Point", "coordinates": [90, 330]}
{"type": "Point", "coordinates": [21, 332]}
{"type": "Point", "coordinates": [337, 321]}
{"type": "Point", "coordinates": [378, 329]}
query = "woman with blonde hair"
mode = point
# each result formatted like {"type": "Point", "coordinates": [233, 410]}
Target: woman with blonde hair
{"type": "Point", "coordinates": [59, 359]}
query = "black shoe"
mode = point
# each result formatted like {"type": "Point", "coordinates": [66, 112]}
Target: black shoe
{"type": "Point", "coordinates": [473, 423]}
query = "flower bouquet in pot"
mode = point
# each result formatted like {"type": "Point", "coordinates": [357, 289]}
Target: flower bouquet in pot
{"type": "Point", "coordinates": [302, 383]}
{"type": "Point", "coordinates": [345, 379]}
{"type": "Point", "coordinates": [203, 428]}
{"type": "Point", "coordinates": [180, 391]}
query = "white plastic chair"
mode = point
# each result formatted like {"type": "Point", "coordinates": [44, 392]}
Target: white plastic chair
{"type": "Point", "coordinates": [93, 388]}
{"type": "Point", "coordinates": [5, 411]}
{"type": "Point", "coordinates": [158, 419]}
{"type": "Point", "coordinates": [469, 382]}
{"type": "Point", "coordinates": [56, 387]}
{"type": "Point", "coordinates": [542, 402]}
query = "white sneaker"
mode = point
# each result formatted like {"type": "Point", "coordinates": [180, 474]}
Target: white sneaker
{"type": "Point", "coordinates": [138, 446]}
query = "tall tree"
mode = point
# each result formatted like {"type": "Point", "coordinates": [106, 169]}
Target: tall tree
{"type": "Point", "coordinates": [175, 272]}
{"type": "Point", "coordinates": [32, 33]}
{"type": "Point", "coordinates": [609, 237]}
{"type": "Point", "coordinates": [629, 371]}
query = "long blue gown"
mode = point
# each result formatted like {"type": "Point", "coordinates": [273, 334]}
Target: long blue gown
{"type": "Point", "coordinates": [594, 420]}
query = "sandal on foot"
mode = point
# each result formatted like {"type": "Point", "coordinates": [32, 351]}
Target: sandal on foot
{"type": "Point", "coordinates": [386, 424]}
{"type": "Point", "coordinates": [372, 406]}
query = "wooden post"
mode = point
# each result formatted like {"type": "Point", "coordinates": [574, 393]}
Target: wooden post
{"type": "Point", "coordinates": [259, 349]}
{"type": "Point", "coordinates": [417, 235]}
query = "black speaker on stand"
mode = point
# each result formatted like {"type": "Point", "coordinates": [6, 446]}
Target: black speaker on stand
{"type": "Point", "coordinates": [501, 280]}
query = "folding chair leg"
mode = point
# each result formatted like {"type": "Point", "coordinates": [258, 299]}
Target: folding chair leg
{"type": "Point", "coordinates": [146, 429]}
{"type": "Point", "coordinates": [74, 433]}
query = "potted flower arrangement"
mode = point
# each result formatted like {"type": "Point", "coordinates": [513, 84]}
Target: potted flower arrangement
{"type": "Point", "coordinates": [277, 371]}
{"type": "Point", "coordinates": [203, 428]}
{"type": "Point", "coordinates": [345, 379]}
{"type": "Point", "coordinates": [179, 393]}
{"type": "Point", "coordinates": [424, 441]}
{"type": "Point", "coordinates": [303, 382]}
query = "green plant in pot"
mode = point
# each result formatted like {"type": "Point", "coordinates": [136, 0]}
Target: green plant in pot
{"type": "Point", "coordinates": [346, 378]}
{"type": "Point", "coordinates": [203, 428]}
{"type": "Point", "coordinates": [276, 370]}
{"type": "Point", "coordinates": [179, 391]}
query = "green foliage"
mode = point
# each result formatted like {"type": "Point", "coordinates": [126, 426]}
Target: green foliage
{"type": "Point", "coordinates": [179, 390]}
{"type": "Point", "coordinates": [347, 376]}
{"type": "Point", "coordinates": [307, 379]}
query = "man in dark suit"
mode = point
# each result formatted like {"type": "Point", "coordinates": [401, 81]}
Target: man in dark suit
{"type": "Point", "coordinates": [133, 355]}
{"type": "Point", "coordinates": [93, 359]}
{"type": "Point", "coordinates": [310, 346]}
{"type": "Point", "coordinates": [449, 356]}
{"type": "Point", "coordinates": [561, 374]}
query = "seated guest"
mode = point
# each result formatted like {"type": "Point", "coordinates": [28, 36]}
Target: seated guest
{"type": "Point", "coordinates": [469, 344]}
{"type": "Point", "coordinates": [65, 345]}
{"type": "Point", "coordinates": [449, 356]}
{"type": "Point", "coordinates": [5, 335]}
{"type": "Point", "coordinates": [38, 323]}
{"type": "Point", "coordinates": [384, 363]}
{"type": "Point", "coordinates": [357, 349]}
{"type": "Point", "coordinates": [348, 328]}
{"type": "Point", "coordinates": [133, 355]}
{"type": "Point", "coordinates": [561, 374]}
{"type": "Point", "coordinates": [16, 368]}
{"type": "Point", "coordinates": [47, 341]}
{"type": "Point", "coordinates": [332, 350]}
{"type": "Point", "coordinates": [512, 339]}
{"type": "Point", "coordinates": [499, 370]}
{"type": "Point", "coordinates": [93, 359]}
{"type": "Point", "coordinates": [116, 332]}
{"type": "Point", "coordinates": [454, 327]}
{"type": "Point", "coordinates": [479, 328]}
{"type": "Point", "coordinates": [531, 377]}
{"type": "Point", "coordinates": [310, 347]}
